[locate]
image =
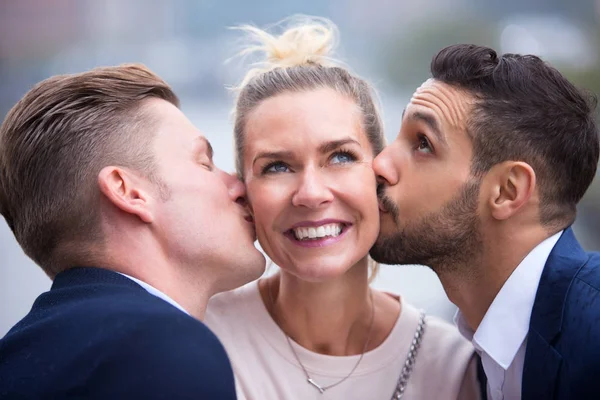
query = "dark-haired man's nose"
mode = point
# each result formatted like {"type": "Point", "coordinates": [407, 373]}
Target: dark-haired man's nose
{"type": "Point", "coordinates": [385, 169]}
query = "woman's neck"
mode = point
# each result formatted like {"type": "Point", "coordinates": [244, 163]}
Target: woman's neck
{"type": "Point", "coordinates": [337, 317]}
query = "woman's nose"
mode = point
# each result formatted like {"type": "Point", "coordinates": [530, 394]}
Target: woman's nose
{"type": "Point", "coordinates": [313, 190]}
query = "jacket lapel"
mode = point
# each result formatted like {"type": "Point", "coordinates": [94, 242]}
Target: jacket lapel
{"type": "Point", "coordinates": [542, 361]}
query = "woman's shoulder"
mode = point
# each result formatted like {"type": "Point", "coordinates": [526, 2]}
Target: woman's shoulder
{"type": "Point", "coordinates": [230, 307]}
{"type": "Point", "coordinates": [444, 330]}
{"type": "Point", "coordinates": [442, 338]}
{"type": "Point", "coordinates": [234, 297]}
{"type": "Point", "coordinates": [436, 329]}
{"type": "Point", "coordinates": [448, 349]}
{"type": "Point", "coordinates": [445, 355]}
{"type": "Point", "coordinates": [446, 335]}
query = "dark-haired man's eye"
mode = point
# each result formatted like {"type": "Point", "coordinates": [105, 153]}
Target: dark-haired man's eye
{"type": "Point", "coordinates": [424, 145]}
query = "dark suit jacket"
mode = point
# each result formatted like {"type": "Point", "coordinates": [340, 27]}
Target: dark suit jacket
{"type": "Point", "coordinates": [98, 335]}
{"type": "Point", "coordinates": [562, 360]}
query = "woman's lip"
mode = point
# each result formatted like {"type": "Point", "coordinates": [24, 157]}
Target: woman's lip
{"type": "Point", "coordinates": [304, 224]}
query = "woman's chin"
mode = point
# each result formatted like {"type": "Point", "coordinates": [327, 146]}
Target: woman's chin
{"type": "Point", "coordinates": [321, 272]}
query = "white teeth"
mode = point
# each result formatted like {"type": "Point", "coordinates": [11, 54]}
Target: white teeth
{"type": "Point", "coordinates": [319, 232]}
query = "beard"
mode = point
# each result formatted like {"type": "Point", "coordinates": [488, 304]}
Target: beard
{"type": "Point", "coordinates": [443, 240]}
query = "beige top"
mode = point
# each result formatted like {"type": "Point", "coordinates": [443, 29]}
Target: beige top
{"type": "Point", "coordinates": [266, 369]}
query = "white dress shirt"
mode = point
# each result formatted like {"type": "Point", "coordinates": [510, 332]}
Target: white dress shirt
{"type": "Point", "coordinates": [154, 291]}
{"type": "Point", "coordinates": [501, 338]}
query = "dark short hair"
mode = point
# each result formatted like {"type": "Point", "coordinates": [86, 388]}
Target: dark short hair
{"type": "Point", "coordinates": [53, 144]}
{"type": "Point", "coordinates": [526, 110]}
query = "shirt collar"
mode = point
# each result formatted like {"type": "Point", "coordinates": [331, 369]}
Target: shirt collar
{"type": "Point", "coordinates": [154, 291]}
{"type": "Point", "coordinates": [506, 322]}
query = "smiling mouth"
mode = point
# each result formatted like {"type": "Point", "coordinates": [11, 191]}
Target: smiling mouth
{"type": "Point", "coordinates": [314, 233]}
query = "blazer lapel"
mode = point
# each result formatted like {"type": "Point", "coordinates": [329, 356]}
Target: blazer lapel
{"type": "Point", "coordinates": [542, 361]}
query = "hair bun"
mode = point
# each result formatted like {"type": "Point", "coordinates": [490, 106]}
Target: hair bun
{"type": "Point", "coordinates": [305, 41]}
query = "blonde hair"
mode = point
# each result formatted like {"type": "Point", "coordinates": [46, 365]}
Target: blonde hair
{"type": "Point", "coordinates": [307, 41]}
{"type": "Point", "coordinates": [297, 60]}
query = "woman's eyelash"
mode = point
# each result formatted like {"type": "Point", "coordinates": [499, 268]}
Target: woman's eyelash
{"type": "Point", "coordinates": [350, 154]}
{"type": "Point", "coordinates": [346, 152]}
{"type": "Point", "coordinates": [266, 168]}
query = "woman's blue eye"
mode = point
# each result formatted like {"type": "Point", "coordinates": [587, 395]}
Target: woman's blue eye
{"type": "Point", "coordinates": [342, 157]}
{"type": "Point", "coordinates": [275, 167]}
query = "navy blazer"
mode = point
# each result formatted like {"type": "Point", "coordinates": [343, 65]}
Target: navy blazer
{"type": "Point", "coordinates": [98, 335]}
{"type": "Point", "coordinates": [562, 360]}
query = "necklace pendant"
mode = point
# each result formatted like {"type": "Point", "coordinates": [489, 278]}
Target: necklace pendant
{"type": "Point", "coordinates": [316, 385]}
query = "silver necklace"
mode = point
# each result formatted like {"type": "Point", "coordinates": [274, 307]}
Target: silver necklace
{"type": "Point", "coordinates": [409, 363]}
{"type": "Point", "coordinates": [310, 380]}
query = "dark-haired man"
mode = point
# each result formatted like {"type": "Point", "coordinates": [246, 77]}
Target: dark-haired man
{"type": "Point", "coordinates": [481, 185]}
{"type": "Point", "coordinates": [113, 192]}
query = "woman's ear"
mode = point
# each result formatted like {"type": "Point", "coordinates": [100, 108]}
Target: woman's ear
{"type": "Point", "coordinates": [247, 202]}
{"type": "Point", "coordinates": [126, 191]}
{"type": "Point", "coordinates": [514, 184]}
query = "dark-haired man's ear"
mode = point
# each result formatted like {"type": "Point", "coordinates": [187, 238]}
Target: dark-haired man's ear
{"type": "Point", "coordinates": [514, 185]}
{"type": "Point", "coordinates": [125, 191]}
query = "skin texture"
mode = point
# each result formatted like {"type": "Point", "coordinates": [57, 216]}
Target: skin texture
{"type": "Point", "coordinates": [308, 160]}
{"type": "Point", "coordinates": [430, 160]}
{"type": "Point", "coordinates": [307, 184]}
{"type": "Point", "coordinates": [436, 213]}
{"type": "Point", "coordinates": [184, 231]}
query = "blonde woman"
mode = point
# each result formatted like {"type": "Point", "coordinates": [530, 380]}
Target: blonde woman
{"type": "Point", "coordinates": [306, 133]}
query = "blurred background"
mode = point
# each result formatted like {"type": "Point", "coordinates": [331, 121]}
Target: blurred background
{"type": "Point", "coordinates": [389, 42]}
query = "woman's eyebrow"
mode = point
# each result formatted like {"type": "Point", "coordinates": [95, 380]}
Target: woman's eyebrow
{"type": "Point", "coordinates": [335, 144]}
{"type": "Point", "coordinates": [273, 155]}
{"type": "Point", "coordinates": [323, 148]}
